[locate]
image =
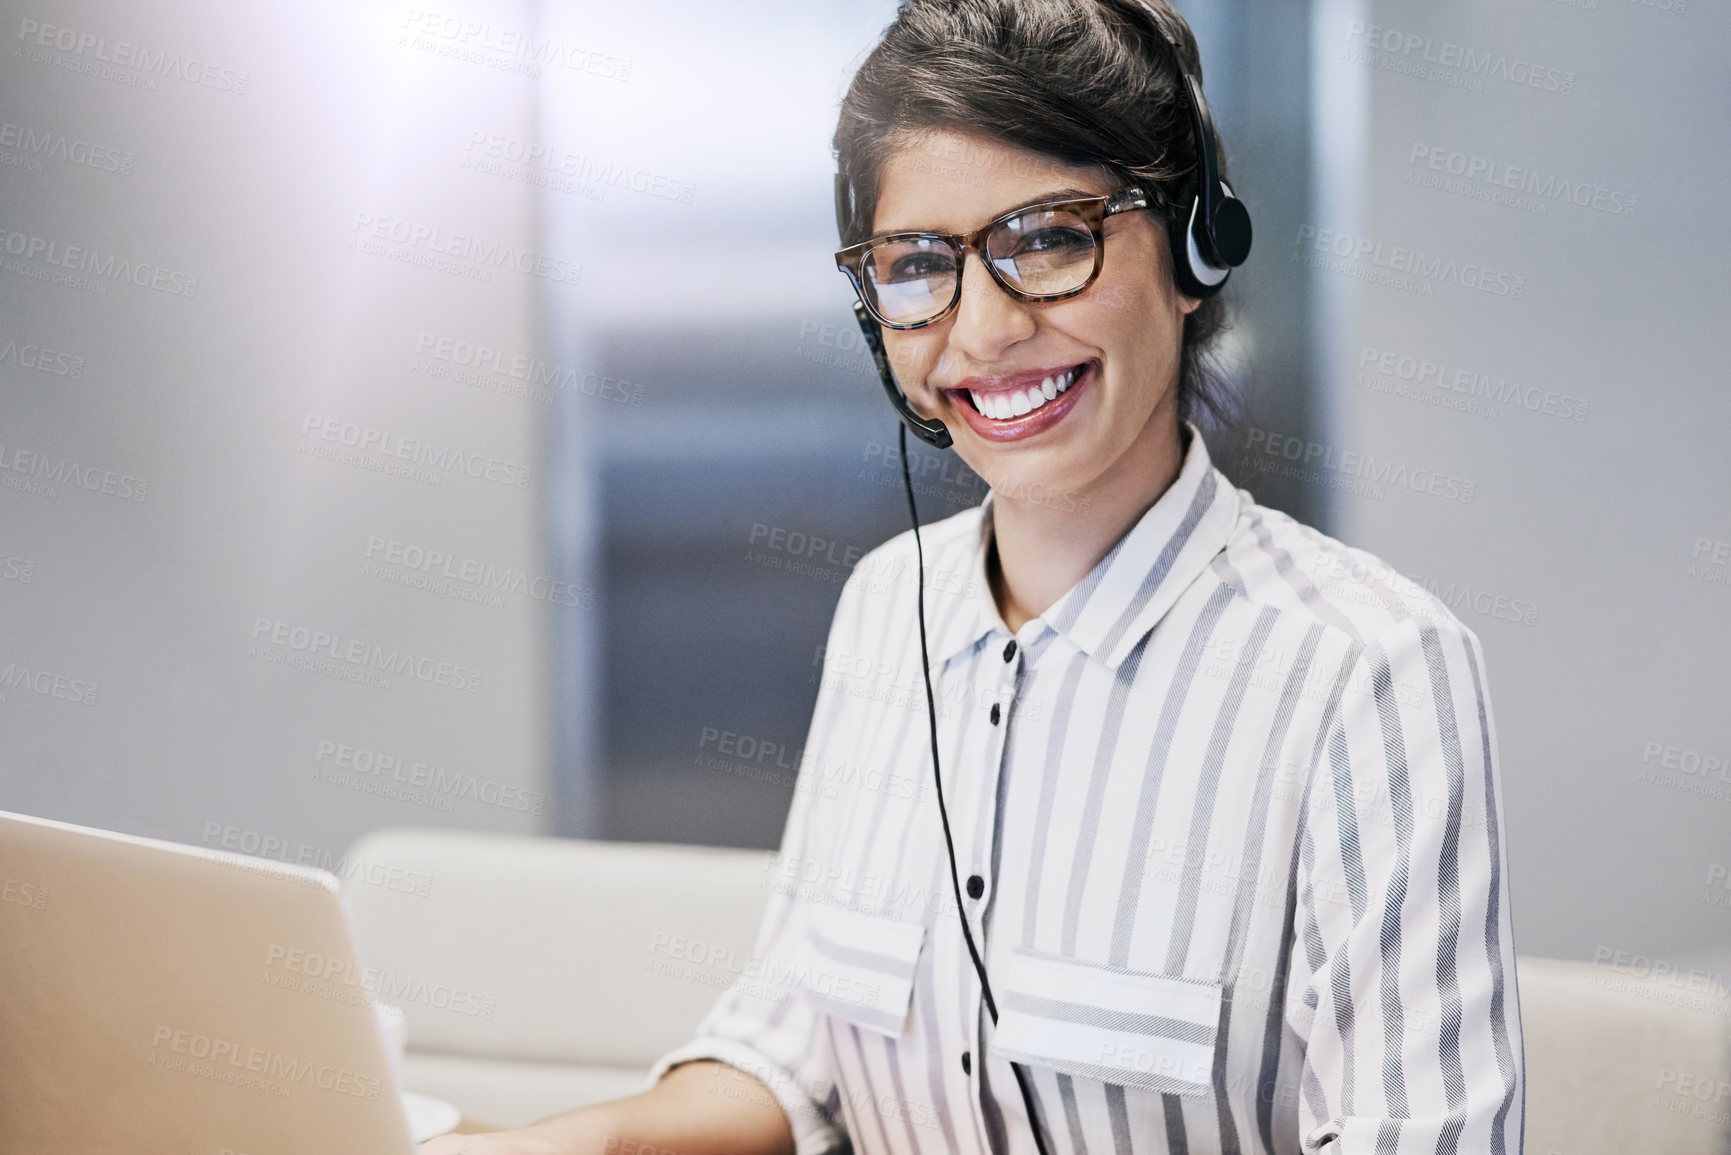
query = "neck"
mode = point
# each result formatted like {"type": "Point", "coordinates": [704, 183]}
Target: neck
{"type": "Point", "coordinates": [1040, 550]}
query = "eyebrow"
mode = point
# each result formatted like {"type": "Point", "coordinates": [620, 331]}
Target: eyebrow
{"type": "Point", "coordinates": [1062, 194]}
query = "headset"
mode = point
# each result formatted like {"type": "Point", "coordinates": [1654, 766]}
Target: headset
{"type": "Point", "coordinates": [1208, 229]}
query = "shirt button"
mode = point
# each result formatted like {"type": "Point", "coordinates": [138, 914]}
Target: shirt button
{"type": "Point", "coordinates": [1010, 650]}
{"type": "Point", "coordinates": [967, 1064]}
{"type": "Point", "coordinates": [976, 886]}
{"type": "Point", "coordinates": [996, 713]}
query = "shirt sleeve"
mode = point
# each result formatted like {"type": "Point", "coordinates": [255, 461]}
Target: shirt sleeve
{"type": "Point", "coordinates": [1403, 959]}
{"type": "Point", "coordinates": [761, 1024]}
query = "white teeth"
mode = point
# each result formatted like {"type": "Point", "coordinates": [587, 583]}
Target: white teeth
{"type": "Point", "coordinates": [1019, 402]}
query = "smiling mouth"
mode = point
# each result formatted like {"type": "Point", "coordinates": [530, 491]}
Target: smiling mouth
{"type": "Point", "coordinates": [1007, 405]}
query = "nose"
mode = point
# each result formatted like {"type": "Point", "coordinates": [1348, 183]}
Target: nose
{"type": "Point", "coordinates": [987, 320]}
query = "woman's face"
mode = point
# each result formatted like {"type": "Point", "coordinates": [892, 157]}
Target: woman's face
{"type": "Point", "coordinates": [1117, 342]}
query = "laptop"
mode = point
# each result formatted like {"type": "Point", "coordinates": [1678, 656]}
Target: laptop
{"type": "Point", "coordinates": [164, 998]}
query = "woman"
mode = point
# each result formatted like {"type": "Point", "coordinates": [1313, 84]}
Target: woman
{"type": "Point", "coordinates": [1223, 791]}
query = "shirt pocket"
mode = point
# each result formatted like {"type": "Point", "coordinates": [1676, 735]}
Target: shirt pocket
{"type": "Point", "coordinates": [860, 967]}
{"type": "Point", "coordinates": [1146, 1031]}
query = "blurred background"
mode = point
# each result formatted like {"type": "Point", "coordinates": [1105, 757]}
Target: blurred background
{"type": "Point", "coordinates": [383, 441]}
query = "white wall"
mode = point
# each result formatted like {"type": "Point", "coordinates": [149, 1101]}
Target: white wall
{"type": "Point", "coordinates": [306, 162]}
{"type": "Point", "coordinates": [1600, 486]}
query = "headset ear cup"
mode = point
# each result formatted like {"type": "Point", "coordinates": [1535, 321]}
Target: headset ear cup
{"type": "Point", "coordinates": [1190, 269]}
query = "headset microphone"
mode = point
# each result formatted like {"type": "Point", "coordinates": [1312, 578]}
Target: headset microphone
{"type": "Point", "coordinates": [930, 430]}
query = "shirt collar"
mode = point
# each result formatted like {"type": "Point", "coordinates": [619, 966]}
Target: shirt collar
{"type": "Point", "coordinates": [1110, 610]}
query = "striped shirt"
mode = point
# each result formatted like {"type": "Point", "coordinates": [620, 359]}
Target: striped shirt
{"type": "Point", "coordinates": [1229, 823]}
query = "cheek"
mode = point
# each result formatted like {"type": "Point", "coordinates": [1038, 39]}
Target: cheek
{"type": "Point", "coordinates": [912, 355]}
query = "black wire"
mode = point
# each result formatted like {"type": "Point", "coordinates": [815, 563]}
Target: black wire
{"type": "Point", "coordinates": [938, 782]}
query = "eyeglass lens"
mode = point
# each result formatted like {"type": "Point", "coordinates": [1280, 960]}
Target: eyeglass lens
{"type": "Point", "coordinates": [1039, 253]}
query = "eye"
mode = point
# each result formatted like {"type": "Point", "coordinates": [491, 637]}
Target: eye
{"type": "Point", "coordinates": [914, 266]}
{"type": "Point", "coordinates": [1057, 241]}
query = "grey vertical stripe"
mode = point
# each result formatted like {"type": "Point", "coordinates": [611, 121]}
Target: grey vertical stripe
{"type": "Point", "coordinates": [991, 1112]}
{"type": "Point", "coordinates": [937, 1075]}
{"type": "Point", "coordinates": [1177, 1141]}
{"type": "Point", "coordinates": [1135, 869]}
{"type": "Point", "coordinates": [1056, 735]}
{"type": "Point", "coordinates": [1072, 1116]}
{"type": "Point", "coordinates": [1389, 936]}
{"type": "Point", "coordinates": [1493, 925]}
{"type": "Point", "coordinates": [1346, 823]}
{"type": "Point", "coordinates": [1119, 1114]}
{"type": "Point", "coordinates": [1123, 679]}
{"type": "Point", "coordinates": [1196, 842]}
{"type": "Point", "coordinates": [862, 1092]}
{"type": "Point", "coordinates": [905, 1106]}
{"type": "Point", "coordinates": [1448, 874]}
{"type": "Point", "coordinates": [1249, 886]}
{"type": "Point", "coordinates": [1273, 1029]}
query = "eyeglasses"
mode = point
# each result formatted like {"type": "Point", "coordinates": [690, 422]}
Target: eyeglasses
{"type": "Point", "coordinates": [1043, 252]}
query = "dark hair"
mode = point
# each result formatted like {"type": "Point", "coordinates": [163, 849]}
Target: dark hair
{"type": "Point", "coordinates": [1086, 82]}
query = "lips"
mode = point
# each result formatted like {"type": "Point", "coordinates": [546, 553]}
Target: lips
{"type": "Point", "coordinates": [1008, 404]}
{"type": "Point", "coordinates": [1025, 404]}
